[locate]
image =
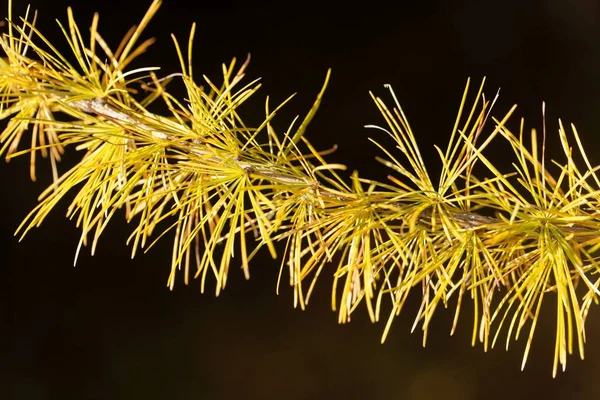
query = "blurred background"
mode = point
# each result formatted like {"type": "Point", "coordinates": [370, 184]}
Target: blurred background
{"type": "Point", "coordinates": [110, 329]}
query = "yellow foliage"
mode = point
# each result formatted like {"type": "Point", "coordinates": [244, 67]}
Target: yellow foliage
{"type": "Point", "coordinates": [203, 170]}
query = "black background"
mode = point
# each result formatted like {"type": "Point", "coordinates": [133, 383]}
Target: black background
{"type": "Point", "coordinates": [110, 329]}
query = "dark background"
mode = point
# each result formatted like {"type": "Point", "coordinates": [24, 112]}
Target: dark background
{"type": "Point", "coordinates": [110, 329]}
